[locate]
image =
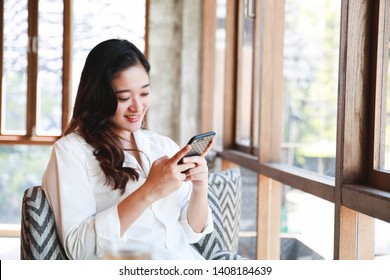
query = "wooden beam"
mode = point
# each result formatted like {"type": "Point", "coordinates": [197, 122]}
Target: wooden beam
{"type": "Point", "coordinates": [356, 242]}
{"type": "Point", "coordinates": [230, 74]}
{"type": "Point", "coordinates": [352, 122]}
{"type": "Point", "coordinates": [32, 72]}
{"type": "Point", "coordinates": [66, 69]}
{"type": "Point", "coordinates": [270, 25]}
{"type": "Point", "coordinates": [268, 219]}
{"type": "Point", "coordinates": [208, 65]}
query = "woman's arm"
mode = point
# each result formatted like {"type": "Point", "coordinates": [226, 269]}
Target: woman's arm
{"type": "Point", "coordinates": [198, 205]}
{"type": "Point", "coordinates": [71, 198]}
{"type": "Point", "coordinates": [197, 212]}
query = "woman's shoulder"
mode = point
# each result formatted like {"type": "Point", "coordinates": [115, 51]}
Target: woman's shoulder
{"type": "Point", "coordinates": [72, 141]}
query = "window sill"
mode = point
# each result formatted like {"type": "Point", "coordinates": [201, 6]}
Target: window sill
{"type": "Point", "coordinates": [367, 200]}
{"type": "Point", "coordinates": [10, 230]}
{"type": "Point", "coordinates": [23, 139]}
{"type": "Point", "coordinates": [304, 180]}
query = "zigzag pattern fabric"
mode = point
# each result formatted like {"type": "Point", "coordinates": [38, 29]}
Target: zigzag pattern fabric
{"type": "Point", "coordinates": [226, 255]}
{"type": "Point", "coordinates": [213, 242]}
{"type": "Point", "coordinates": [223, 188]}
{"type": "Point", "coordinates": [227, 187]}
{"type": "Point", "coordinates": [39, 238]}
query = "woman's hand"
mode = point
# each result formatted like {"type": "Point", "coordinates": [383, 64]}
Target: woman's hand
{"type": "Point", "coordinates": [198, 175]}
{"type": "Point", "coordinates": [166, 175]}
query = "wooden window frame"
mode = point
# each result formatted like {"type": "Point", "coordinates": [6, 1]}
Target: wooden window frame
{"type": "Point", "coordinates": [32, 71]}
{"type": "Point", "coordinates": [358, 191]}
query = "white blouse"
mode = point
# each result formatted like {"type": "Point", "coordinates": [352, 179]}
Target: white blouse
{"type": "Point", "coordinates": [85, 207]}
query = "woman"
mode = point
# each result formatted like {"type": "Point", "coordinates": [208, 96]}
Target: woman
{"type": "Point", "coordinates": [111, 182]}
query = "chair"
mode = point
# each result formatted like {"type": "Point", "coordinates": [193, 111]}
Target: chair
{"type": "Point", "coordinates": [38, 236]}
{"type": "Point", "coordinates": [225, 202]}
{"type": "Point", "coordinates": [40, 241]}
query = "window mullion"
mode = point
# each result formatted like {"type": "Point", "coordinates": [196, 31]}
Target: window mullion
{"type": "Point", "coordinates": [66, 89]}
{"type": "Point", "coordinates": [32, 67]}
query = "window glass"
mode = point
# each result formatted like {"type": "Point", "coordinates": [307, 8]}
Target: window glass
{"type": "Point", "coordinates": [384, 73]}
{"type": "Point", "coordinates": [245, 77]}
{"type": "Point", "coordinates": [102, 20]}
{"type": "Point", "coordinates": [310, 85]}
{"type": "Point", "coordinates": [220, 51]}
{"type": "Point", "coordinates": [21, 167]}
{"type": "Point", "coordinates": [14, 80]}
{"type": "Point", "coordinates": [307, 224]}
{"type": "Point", "coordinates": [382, 240]}
{"type": "Point", "coordinates": [49, 86]}
{"type": "Point", "coordinates": [248, 218]}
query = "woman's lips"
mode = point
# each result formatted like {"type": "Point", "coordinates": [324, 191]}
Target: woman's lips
{"type": "Point", "coordinates": [133, 118]}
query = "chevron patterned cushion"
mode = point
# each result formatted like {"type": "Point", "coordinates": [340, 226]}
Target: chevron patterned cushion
{"type": "Point", "coordinates": [225, 202]}
{"type": "Point", "coordinates": [213, 242]}
{"type": "Point", "coordinates": [227, 187]}
{"type": "Point", "coordinates": [38, 236]}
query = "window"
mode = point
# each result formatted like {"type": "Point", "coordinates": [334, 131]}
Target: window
{"type": "Point", "coordinates": [14, 80]}
{"type": "Point", "coordinates": [311, 118]}
{"type": "Point", "coordinates": [40, 74]}
{"type": "Point", "coordinates": [310, 88]}
{"type": "Point", "coordinates": [103, 20]}
{"type": "Point", "coordinates": [384, 85]}
{"type": "Point", "coordinates": [245, 62]}
{"type": "Point", "coordinates": [14, 180]}
{"type": "Point", "coordinates": [307, 226]}
{"type": "Point", "coordinates": [32, 88]}
{"type": "Point", "coordinates": [382, 122]}
{"type": "Point", "coordinates": [310, 83]}
{"type": "Point", "coordinates": [219, 86]}
{"type": "Point", "coordinates": [50, 68]}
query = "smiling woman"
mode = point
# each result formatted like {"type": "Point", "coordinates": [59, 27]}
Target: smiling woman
{"type": "Point", "coordinates": [101, 195]}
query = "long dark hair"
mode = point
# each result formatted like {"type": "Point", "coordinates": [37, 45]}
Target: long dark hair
{"type": "Point", "coordinates": [96, 103]}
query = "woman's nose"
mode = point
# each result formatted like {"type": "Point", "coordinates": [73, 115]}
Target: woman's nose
{"type": "Point", "coordinates": [135, 104]}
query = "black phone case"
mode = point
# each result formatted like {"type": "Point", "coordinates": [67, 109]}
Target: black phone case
{"type": "Point", "coordinates": [199, 143]}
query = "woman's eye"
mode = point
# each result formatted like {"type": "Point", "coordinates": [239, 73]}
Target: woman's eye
{"type": "Point", "coordinates": [123, 99]}
{"type": "Point", "coordinates": [144, 94]}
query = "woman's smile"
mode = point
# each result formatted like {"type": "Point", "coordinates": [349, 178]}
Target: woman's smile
{"type": "Point", "coordinates": [133, 118]}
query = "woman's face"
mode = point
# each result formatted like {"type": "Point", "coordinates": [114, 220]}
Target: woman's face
{"type": "Point", "coordinates": [133, 94]}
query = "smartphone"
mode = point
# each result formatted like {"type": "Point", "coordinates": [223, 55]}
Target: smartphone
{"type": "Point", "coordinates": [199, 144]}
